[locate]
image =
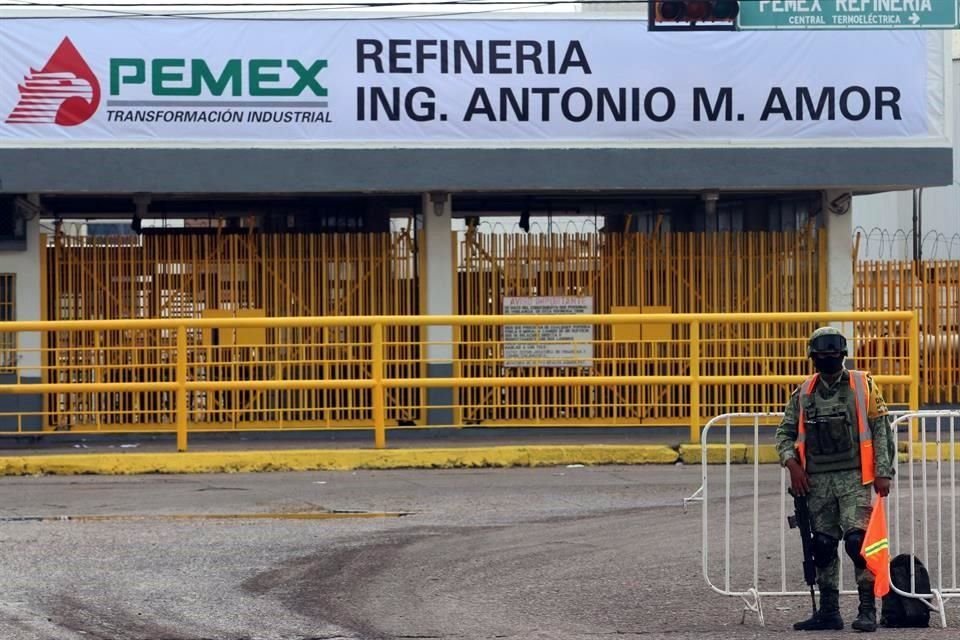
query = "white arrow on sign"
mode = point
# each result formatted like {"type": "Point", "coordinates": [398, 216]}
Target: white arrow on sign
{"type": "Point", "coordinates": [914, 19]}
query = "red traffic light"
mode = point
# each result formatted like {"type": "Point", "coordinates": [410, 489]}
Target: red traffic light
{"type": "Point", "coordinates": [698, 10]}
{"type": "Point", "coordinates": [693, 11]}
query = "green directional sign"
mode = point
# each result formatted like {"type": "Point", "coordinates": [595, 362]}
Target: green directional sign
{"type": "Point", "coordinates": [848, 14]}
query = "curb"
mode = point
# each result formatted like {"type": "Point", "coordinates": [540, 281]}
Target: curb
{"type": "Point", "coordinates": [739, 454]}
{"type": "Point", "coordinates": [335, 460]}
{"type": "Point", "coordinates": [372, 459]}
{"type": "Point", "coordinates": [931, 451]}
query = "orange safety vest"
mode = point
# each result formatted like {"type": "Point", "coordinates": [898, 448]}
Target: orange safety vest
{"type": "Point", "coordinates": [858, 382]}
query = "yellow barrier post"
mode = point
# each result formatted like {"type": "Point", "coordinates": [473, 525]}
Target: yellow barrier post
{"type": "Point", "coordinates": [181, 388]}
{"type": "Point", "coordinates": [97, 375]}
{"type": "Point", "coordinates": [695, 381]}
{"type": "Point", "coordinates": [379, 392]}
{"type": "Point", "coordinates": [914, 371]}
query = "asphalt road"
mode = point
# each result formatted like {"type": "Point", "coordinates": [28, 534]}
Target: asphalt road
{"type": "Point", "coordinates": [558, 553]}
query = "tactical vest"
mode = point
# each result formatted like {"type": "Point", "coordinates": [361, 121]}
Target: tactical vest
{"type": "Point", "coordinates": [833, 433]}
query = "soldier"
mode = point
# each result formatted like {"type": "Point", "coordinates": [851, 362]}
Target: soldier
{"type": "Point", "coordinates": [836, 441]}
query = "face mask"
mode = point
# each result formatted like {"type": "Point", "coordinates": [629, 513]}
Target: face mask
{"type": "Point", "coordinates": [828, 364]}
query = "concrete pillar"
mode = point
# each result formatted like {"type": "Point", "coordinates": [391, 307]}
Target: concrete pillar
{"type": "Point", "coordinates": [438, 273]}
{"type": "Point", "coordinates": [838, 212]}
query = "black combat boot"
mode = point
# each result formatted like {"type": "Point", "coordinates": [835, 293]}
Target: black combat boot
{"type": "Point", "coordinates": [867, 613]}
{"type": "Point", "coordinates": [827, 617]}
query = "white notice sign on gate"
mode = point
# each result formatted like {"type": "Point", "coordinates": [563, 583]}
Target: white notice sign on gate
{"type": "Point", "coordinates": [558, 346]}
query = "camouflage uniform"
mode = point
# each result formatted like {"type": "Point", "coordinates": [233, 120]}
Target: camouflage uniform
{"type": "Point", "coordinates": [839, 501]}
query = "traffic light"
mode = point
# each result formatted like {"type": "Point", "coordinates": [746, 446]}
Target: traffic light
{"type": "Point", "coordinates": [693, 15]}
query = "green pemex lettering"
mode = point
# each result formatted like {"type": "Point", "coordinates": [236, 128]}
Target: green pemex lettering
{"type": "Point", "coordinates": [164, 70]}
{"type": "Point", "coordinates": [307, 78]}
{"type": "Point", "coordinates": [137, 75]}
{"type": "Point", "coordinates": [195, 77]}
{"type": "Point", "coordinates": [232, 74]}
{"type": "Point", "coordinates": [260, 76]}
{"type": "Point", "coordinates": [202, 78]}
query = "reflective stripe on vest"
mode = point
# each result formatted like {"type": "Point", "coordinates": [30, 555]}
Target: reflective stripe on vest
{"type": "Point", "coordinates": [858, 382]}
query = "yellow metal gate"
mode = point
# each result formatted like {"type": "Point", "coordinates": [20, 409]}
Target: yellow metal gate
{"type": "Point", "coordinates": [641, 273]}
{"type": "Point", "coordinates": [196, 275]}
{"type": "Point", "coordinates": [931, 287]}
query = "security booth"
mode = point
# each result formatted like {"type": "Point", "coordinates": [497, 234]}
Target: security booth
{"type": "Point", "coordinates": [431, 166]}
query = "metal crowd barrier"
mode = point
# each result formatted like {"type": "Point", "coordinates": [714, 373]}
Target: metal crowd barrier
{"type": "Point", "coordinates": [943, 583]}
{"type": "Point", "coordinates": [754, 534]}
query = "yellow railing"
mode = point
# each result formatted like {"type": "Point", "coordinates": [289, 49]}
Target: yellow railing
{"type": "Point", "coordinates": [185, 389]}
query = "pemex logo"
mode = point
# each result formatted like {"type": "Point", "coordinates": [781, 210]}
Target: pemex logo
{"type": "Point", "coordinates": [64, 92]}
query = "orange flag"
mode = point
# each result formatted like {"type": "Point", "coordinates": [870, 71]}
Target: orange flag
{"type": "Point", "coordinates": [876, 550]}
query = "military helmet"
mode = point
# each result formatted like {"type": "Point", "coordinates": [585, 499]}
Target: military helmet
{"type": "Point", "coordinates": [826, 340]}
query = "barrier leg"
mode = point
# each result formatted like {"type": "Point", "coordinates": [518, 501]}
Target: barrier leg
{"type": "Point", "coordinates": [938, 600]}
{"type": "Point", "coordinates": [696, 496]}
{"type": "Point", "coordinates": [752, 603]}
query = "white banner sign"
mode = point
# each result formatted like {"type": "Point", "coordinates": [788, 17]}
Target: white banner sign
{"type": "Point", "coordinates": [563, 345]}
{"type": "Point", "coordinates": [459, 82]}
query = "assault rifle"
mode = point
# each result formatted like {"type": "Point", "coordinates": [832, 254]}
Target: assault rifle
{"type": "Point", "coordinates": [801, 520]}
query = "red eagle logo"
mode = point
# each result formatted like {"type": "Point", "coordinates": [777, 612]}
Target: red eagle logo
{"type": "Point", "coordinates": [64, 92]}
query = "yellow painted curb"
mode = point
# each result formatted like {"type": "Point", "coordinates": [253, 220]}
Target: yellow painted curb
{"type": "Point", "coordinates": [739, 454]}
{"type": "Point", "coordinates": [931, 451]}
{"type": "Point", "coordinates": [335, 459]}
